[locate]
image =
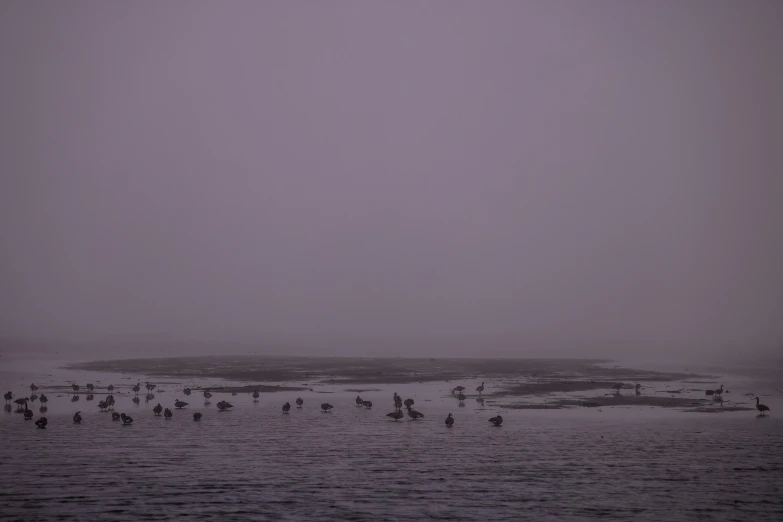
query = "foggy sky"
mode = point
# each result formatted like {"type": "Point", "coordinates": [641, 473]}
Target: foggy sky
{"type": "Point", "coordinates": [514, 177]}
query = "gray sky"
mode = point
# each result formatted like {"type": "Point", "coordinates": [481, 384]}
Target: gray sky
{"type": "Point", "coordinates": [523, 178]}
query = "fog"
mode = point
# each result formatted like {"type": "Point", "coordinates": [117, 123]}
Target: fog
{"type": "Point", "coordinates": [436, 178]}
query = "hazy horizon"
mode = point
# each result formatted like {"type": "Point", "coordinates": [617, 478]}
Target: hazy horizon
{"type": "Point", "coordinates": [596, 179]}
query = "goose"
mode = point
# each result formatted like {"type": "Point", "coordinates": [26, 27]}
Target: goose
{"type": "Point", "coordinates": [223, 405]}
{"type": "Point", "coordinates": [761, 407]}
{"type": "Point", "coordinates": [359, 400]}
{"type": "Point", "coordinates": [449, 421]}
{"type": "Point", "coordinates": [21, 402]}
{"type": "Point", "coordinates": [638, 389]}
{"type": "Point", "coordinates": [286, 407]}
{"type": "Point", "coordinates": [197, 416]}
{"type": "Point", "coordinates": [157, 409]}
{"type": "Point", "coordinates": [299, 402]}
{"type": "Point", "coordinates": [28, 414]}
{"type": "Point", "coordinates": [617, 387]}
{"type": "Point", "coordinates": [90, 388]}
{"type": "Point", "coordinates": [496, 421]}
{"type": "Point", "coordinates": [396, 415]}
{"type": "Point", "coordinates": [41, 423]}
{"type": "Point", "coordinates": [33, 388]}
{"type": "Point", "coordinates": [408, 403]}
{"type": "Point", "coordinates": [110, 401]}
{"type": "Point", "coordinates": [103, 405]}
{"type": "Point", "coordinates": [110, 388]}
{"type": "Point", "coordinates": [115, 416]}
{"type": "Point", "coordinates": [137, 388]}
{"type": "Point", "coordinates": [77, 417]}
{"type": "Point", "coordinates": [8, 397]}
{"type": "Point", "coordinates": [480, 388]}
{"type": "Point", "coordinates": [75, 388]}
{"type": "Point", "coordinates": [207, 395]}
{"type": "Point", "coordinates": [458, 389]}
{"type": "Point", "coordinates": [167, 413]}
{"type": "Point", "coordinates": [180, 404]}
{"type": "Point", "coordinates": [256, 395]}
{"type": "Point", "coordinates": [186, 391]}
{"type": "Point", "coordinates": [719, 391]}
{"type": "Point", "coordinates": [413, 414]}
{"type": "Point", "coordinates": [44, 399]}
{"type": "Point", "coordinates": [126, 419]}
{"type": "Point", "coordinates": [326, 407]}
{"type": "Point", "coordinates": [367, 404]}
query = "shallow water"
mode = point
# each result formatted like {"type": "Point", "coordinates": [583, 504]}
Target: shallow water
{"type": "Point", "coordinates": [256, 463]}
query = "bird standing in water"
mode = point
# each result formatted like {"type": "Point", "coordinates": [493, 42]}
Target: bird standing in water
{"type": "Point", "coordinates": [299, 402]}
{"type": "Point", "coordinates": [28, 414]}
{"type": "Point", "coordinates": [41, 423]}
{"type": "Point", "coordinates": [256, 395]}
{"type": "Point", "coordinates": [157, 409]}
{"type": "Point", "coordinates": [8, 397]}
{"type": "Point", "coordinates": [223, 405]}
{"type": "Point", "coordinates": [458, 389]}
{"type": "Point", "coordinates": [761, 407]}
{"type": "Point", "coordinates": [480, 388]}
{"type": "Point", "coordinates": [326, 407]}
{"type": "Point", "coordinates": [197, 416]}
{"type": "Point", "coordinates": [496, 421]}
{"type": "Point", "coordinates": [449, 421]}
{"type": "Point", "coordinates": [77, 417]}
{"type": "Point", "coordinates": [413, 414]}
{"type": "Point", "coordinates": [367, 404]}
{"type": "Point", "coordinates": [136, 389]}
{"type": "Point", "coordinates": [396, 415]}
{"type": "Point", "coordinates": [167, 413]}
{"type": "Point", "coordinates": [286, 407]}
{"type": "Point", "coordinates": [180, 404]}
{"type": "Point", "coordinates": [126, 419]}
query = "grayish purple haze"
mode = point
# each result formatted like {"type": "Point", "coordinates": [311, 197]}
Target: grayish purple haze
{"type": "Point", "coordinates": [494, 178]}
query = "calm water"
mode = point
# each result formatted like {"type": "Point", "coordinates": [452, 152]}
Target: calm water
{"type": "Point", "coordinates": [255, 463]}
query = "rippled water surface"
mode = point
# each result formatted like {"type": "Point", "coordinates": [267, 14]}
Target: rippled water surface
{"type": "Point", "coordinates": [256, 463]}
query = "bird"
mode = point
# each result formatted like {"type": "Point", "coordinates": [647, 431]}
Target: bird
{"type": "Point", "coordinates": [21, 402]}
{"type": "Point", "coordinates": [197, 416]}
{"type": "Point", "coordinates": [207, 396]}
{"type": "Point", "coordinates": [223, 405]}
{"type": "Point", "coordinates": [115, 416]}
{"type": "Point", "coordinates": [110, 388]}
{"type": "Point", "coordinates": [157, 409]}
{"type": "Point", "coordinates": [110, 401]}
{"type": "Point", "coordinates": [137, 388]}
{"type": "Point", "coordinates": [186, 391]}
{"type": "Point", "coordinates": [761, 407]}
{"type": "Point", "coordinates": [75, 388]}
{"type": "Point", "coordinates": [77, 417]}
{"type": "Point", "coordinates": [126, 419]}
{"type": "Point", "coordinates": [458, 389]}
{"type": "Point", "coordinates": [326, 407]}
{"type": "Point", "coordinates": [638, 389]}
{"type": "Point", "coordinates": [496, 421]}
{"type": "Point", "coordinates": [359, 400]}
{"type": "Point", "coordinates": [299, 402]}
{"type": "Point", "coordinates": [286, 407]}
{"type": "Point", "coordinates": [103, 405]}
{"type": "Point", "coordinates": [167, 413]}
{"type": "Point", "coordinates": [44, 399]}
{"type": "Point", "coordinates": [616, 387]}
{"type": "Point", "coordinates": [180, 404]}
{"type": "Point", "coordinates": [255, 396]}
{"type": "Point", "coordinates": [396, 415]}
{"type": "Point", "coordinates": [413, 414]}
{"type": "Point", "coordinates": [149, 386]}
{"type": "Point", "coordinates": [449, 421]}
{"type": "Point", "coordinates": [33, 388]}
{"type": "Point", "coordinates": [8, 396]}
{"type": "Point", "coordinates": [408, 403]}
{"type": "Point", "coordinates": [719, 391]}
{"type": "Point", "coordinates": [41, 423]}
{"type": "Point", "coordinates": [28, 414]}
{"type": "Point", "coordinates": [90, 388]}
{"type": "Point", "coordinates": [367, 404]}
{"type": "Point", "coordinates": [480, 388]}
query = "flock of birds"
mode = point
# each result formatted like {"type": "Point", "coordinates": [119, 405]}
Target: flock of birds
{"type": "Point", "coordinates": [108, 404]}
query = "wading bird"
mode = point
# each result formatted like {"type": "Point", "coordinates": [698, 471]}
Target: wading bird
{"type": "Point", "coordinates": [167, 413]}
{"type": "Point", "coordinates": [223, 405]}
{"type": "Point", "coordinates": [449, 421]}
{"type": "Point", "coordinates": [44, 399]}
{"type": "Point", "coordinates": [458, 389]}
{"type": "Point", "coordinates": [197, 416]}
{"type": "Point", "coordinates": [77, 417]}
{"type": "Point", "coordinates": [286, 407]}
{"type": "Point", "coordinates": [480, 388]}
{"type": "Point", "coordinates": [326, 407]}
{"type": "Point", "coordinates": [396, 415]}
{"type": "Point", "coordinates": [8, 396]}
{"type": "Point", "coordinates": [41, 423]}
{"type": "Point", "coordinates": [180, 404]}
{"type": "Point", "coordinates": [126, 419]}
{"type": "Point", "coordinates": [299, 402]}
{"type": "Point", "coordinates": [19, 403]}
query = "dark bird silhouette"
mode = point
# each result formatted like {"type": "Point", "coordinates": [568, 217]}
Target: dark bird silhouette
{"type": "Point", "coordinates": [496, 421]}
{"type": "Point", "coordinates": [103, 405]}
{"type": "Point", "coordinates": [44, 399]}
{"type": "Point", "coordinates": [359, 401]}
{"type": "Point", "coordinates": [33, 388]}
{"type": "Point", "coordinates": [28, 414]}
{"type": "Point", "coordinates": [458, 389]}
{"type": "Point", "coordinates": [326, 407]}
{"type": "Point", "coordinates": [299, 402]}
{"type": "Point", "coordinates": [186, 391]}
{"type": "Point", "coordinates": [126, 419]}
{"type": "Point", "coordinates": [90, 388]}
{"type": "Point", "coordinates": [413, 414]}
{"type": "Point", "coordinates": [157, 409]}
{"type": "Point", "coordinates": [761, 407]}
{"type": "Point", "coordinates": [256, 395]}
{"type": "Point", "coordinates": [223, 405]}
{"type": "Point", "coordinates": [8, 397]}
{"type": "Point", "coordinates": [77, 417]}
{"type": "Point", "coordinates": [111, 388]}
{"type": "Point", "coordinates": [180, 404]}
{"type": "Point", "coordinates": [397, 401]}
{"type": "Point", "coordinates": [110, 401]}
{"type": "Point", "coordinates": [136, 389]}
{"type": "Point", "coordinates": [367, 404]}
{"type": "Point", "coordinates": [286, 407]}
{"type": "Point", "coordinates": [167, 413]}
{"type": "Point", "coordinates": [197, 416]}
{"type": "Point", "coordinates": [480, 388]}
{"type": "Point", "coordinates": [408, 403]}
{"type": "Point", "coordinates": [449, 421]}
{"type": "Point", "coordinates": [41, 423]}
{"type": "Point", "coordinates": [396, 415]}
{"type": "Point", "coordinates": [19, 403]}
{"type": "Point", "coordinates": [115, 416]}
{"type": "Point", "coordinates": [617, 387]}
